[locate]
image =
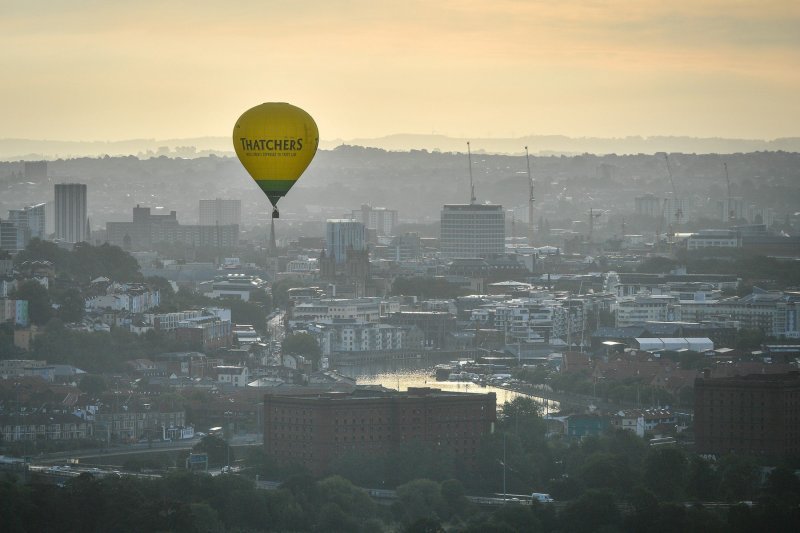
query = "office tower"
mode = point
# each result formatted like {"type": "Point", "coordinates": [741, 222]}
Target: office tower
{"type": "Point", "coordinates": [220, 212]}
{"type": "Point", "coordinates": [380, 219]}
{"type": "Point", "coordinates": [32, 217]}
{"type": "Point", "coordinates": [342, 235]}
{"type": "Point", "coordinates": [50, 218]}
{"type": "Point", "coordinates": [13, 238]}
{"type": "Point", "coordinates": [71, 222]}
{"type": "Point", "coordinates": [472, 230]}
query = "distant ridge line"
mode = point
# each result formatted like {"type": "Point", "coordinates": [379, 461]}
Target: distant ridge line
{"type": "Point", "coordinates": [12, 149]}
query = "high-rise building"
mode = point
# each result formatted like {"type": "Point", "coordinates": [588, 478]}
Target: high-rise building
{"type": "Point", "coordinates": [342, 235]}
{"type": "Point", "coordinates": [32, 217]}
{"type": "Point", "coordinates": [649, 205]}
{"type": "Point", "coordinates": [380, 219]}
{"type": "Point", "coordinates": [220, 212]}
{"type": "Point", "coordinates": [71, 221]}
{"type": "Point", "coordinates": [13, 238]}
{"type": "Point", "coordinates": [472, 230]}
{"type": "Point", "coordinates": [761, 215]}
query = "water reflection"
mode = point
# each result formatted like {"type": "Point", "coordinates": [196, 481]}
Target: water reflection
{"type": "Point", "coordinates": [401, 375]}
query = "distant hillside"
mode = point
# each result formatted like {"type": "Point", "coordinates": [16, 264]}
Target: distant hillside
{"type": "Point", "coordinates": [28, 149]}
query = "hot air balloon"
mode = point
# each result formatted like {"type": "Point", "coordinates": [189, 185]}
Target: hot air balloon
{"type": "Point", "coordinates": [275, 142]}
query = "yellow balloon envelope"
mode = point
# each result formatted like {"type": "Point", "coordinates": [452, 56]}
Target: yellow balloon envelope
{"type": "Point", "coordinates": [275, 143]}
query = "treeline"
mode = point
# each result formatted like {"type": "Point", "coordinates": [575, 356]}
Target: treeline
{"type": "Point", "coordinates": [426, 288]}
{"type": "Point", "coordinates": [752, 268]}
{"type": "Point", "coordinates": [187, 502]}
{"type": "Point", "coordinates": [100, 351]}
{"type": "Point", "coordinates": [85, 262]}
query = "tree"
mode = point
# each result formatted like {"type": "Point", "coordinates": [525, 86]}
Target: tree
{"type": "Point", "coordinates": [302, 344]}
{"type": "Point", "coordinates": [93, 385]}
{"type": "Point", "coordinates": [455, 498]}
{"type": "Point", "coordinates": [665, 472]}
{"type": "Point", "coordinates": [522, 416]}
{"type": "Point", "coordinates": [783, 484]}
{"type": "Point", "coordinates": [352, 500]}
{"type": "Point", "coordinates": [217, 448]}
{"type": "Point", "coordinates": [39, 308]}
{"type": "Point", "coordinates": [247, 313]}
{"type": "Point", "coordinates": [591, 512]}
{"type": "Point", "coordinates": [39, 250]}
{"type": "Point", "coordinates": [657, 265]}
{"type": "Point", "coordinates": [749, 339]}
{"type": "Point", "coordinates": [425, 525]}
{"type": "Point", "coordinates": [426, 288]}
{"type": "Point", "coordinates": [280, 291]}
{"type": "Point", "coordinates": [703, 479]}
{"type": "Point", "coordinates": [419, 499]}
{"type": "Point", "coordinates": [601, 470]}
{"type": "Point", "coordinates": [72, 305]}
{"type": "Point", "coordinates": [107, 260]}
{"type": "Point", "coordinates": [739, 476]}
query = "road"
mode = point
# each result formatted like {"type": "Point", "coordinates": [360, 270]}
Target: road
{"type": "Point", "coordinates": [275, 326]}
{"type": "Point", "coordinates": [252, 439]}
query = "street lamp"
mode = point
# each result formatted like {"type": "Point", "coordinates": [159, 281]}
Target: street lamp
{"type": "Point", "coordinates": [228, 439]}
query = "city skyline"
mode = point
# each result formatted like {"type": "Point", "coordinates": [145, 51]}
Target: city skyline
{"type": "Point", "coordinates": [607, 69]}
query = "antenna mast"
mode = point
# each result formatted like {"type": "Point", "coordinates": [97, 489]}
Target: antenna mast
{"type": "Point", "coordinates": [531, 198]}
{"type": "Point", "coordinates": [471, 184]}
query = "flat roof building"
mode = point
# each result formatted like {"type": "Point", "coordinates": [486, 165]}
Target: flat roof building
{"type": "Point", "coordinates": [472, 230]}
{"type": "Point", "coordinates": [314, 430]}
{"type": "Point", "coordinates": [220, 212]}
{"type": "Point", "coordinates": [756, 414]}
{"type": "Point", "coordinates": [71, 212]}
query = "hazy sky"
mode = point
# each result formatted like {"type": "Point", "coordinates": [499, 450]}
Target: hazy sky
{"type": "Point", "coordinates": [111, 70]}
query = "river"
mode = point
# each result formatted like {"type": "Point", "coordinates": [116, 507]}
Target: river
{"type": "Point", "coordinates": [400, 375]}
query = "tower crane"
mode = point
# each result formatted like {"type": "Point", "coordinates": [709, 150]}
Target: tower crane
{"type": "Point", "coordinates": [657, 244]}
{"type": "Point", "coordinates": [731, 210]}
{"type": "Point", "coordinates": [471, 183]}
{"type": "Point", "coordinates": [531, 198]}
{"type": "Point", "coordinates": [678, 210]}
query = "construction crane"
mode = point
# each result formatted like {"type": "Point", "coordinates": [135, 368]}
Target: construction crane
{"type": "Point", "coordinates": [657, 244]}
{"type": "Point", "coordinates": [678, 210]}
{"type": "Point", "coordinates": [731, 210]}
{"type": "Point", "coordinates": [471, 183]}
{"type": "Point", "coordinates": [531, 198]}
